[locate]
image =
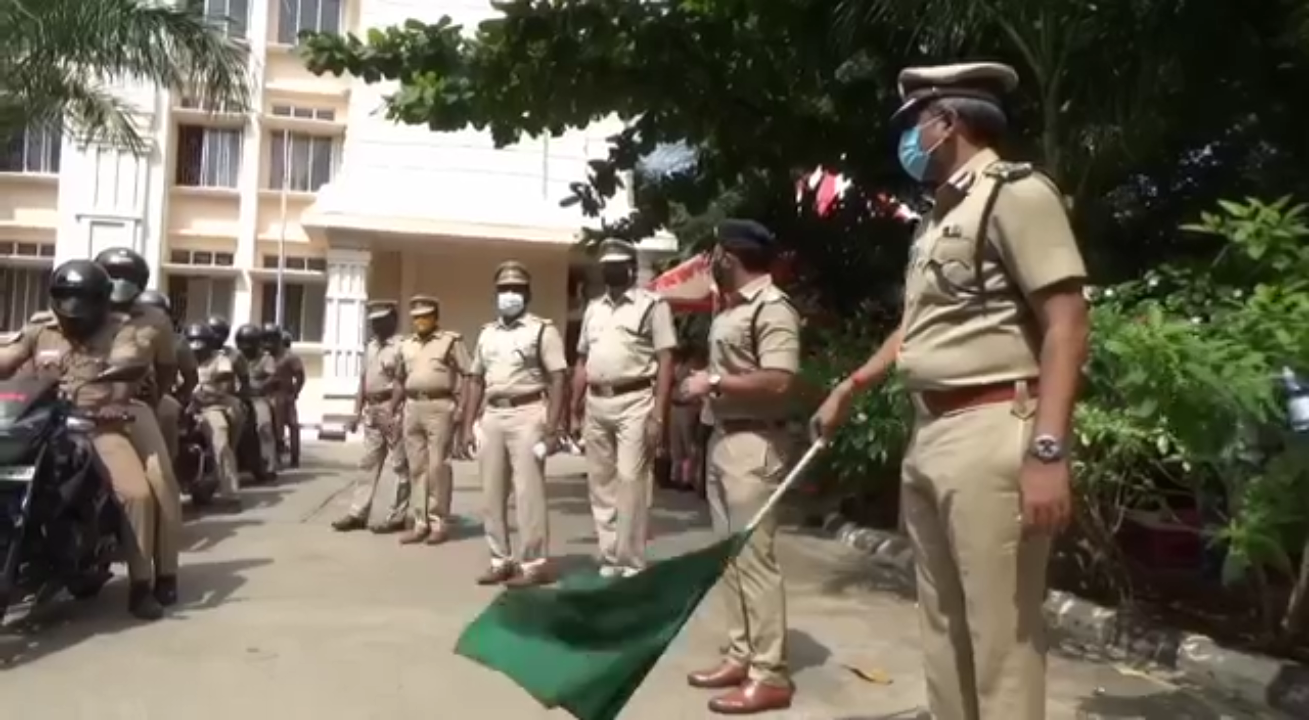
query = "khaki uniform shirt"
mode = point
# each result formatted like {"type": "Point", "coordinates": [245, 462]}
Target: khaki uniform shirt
{"type": "Point", "coordinates": [289, 367]}
{"type": "Point", "coordinates": [517, 358]}
{"type": "Point", "coordinates": [620, 338]}
{"type": "Point", "coordinates": [263, 375]}
{"type": "Point", "coordinates": [216, 383]}
{"type": "Point", "coordinates": [53, 355]}
{"type": "Point", "coordinates": [240, 366]}
{"type": "Point", "coordinates": [153, 329]}
{"type": "Point", "coordinates": [953, 337]}
{"type": "Point", "coordinates": [736, 349]}
{"type": "Point", "coordinates": [433, 364]}
{"type": "Point", "coordinates": [381, 366]}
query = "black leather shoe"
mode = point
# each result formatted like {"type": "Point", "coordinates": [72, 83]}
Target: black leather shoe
{"type": "Point", "coordinates": [141, 602]}
{"type": "Point", "coordinates": [166, 590]}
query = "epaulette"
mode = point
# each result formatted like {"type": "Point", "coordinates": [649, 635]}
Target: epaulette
{"type": "Point", "coordinates": [453, 334]}
{"type": "Point", "coordinates": [41, 317]}
{"type": "Point", "coordinates": [10, 338]}
{"type": "Point", "coordinates": [1006, 171]}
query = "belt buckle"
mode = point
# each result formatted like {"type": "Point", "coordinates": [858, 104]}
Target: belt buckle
{"type": "Point", "coordinates": [605, 391]}
{"type": "Point", "coordinates": [500, 402]}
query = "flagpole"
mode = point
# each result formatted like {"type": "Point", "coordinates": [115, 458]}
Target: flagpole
{"type": "Point", "coordinates": [280, 311]}
{"type": "Point", "coordinates": [796, 471]}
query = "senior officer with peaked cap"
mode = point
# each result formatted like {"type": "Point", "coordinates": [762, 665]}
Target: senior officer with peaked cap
{"type": "Point", "coordinates": [991, 345]}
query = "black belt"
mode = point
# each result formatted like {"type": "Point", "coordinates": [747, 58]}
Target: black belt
{"type": "Point", "coordinates": [433, 395]}
{"type": "Point", "coordinates": [622, 387]}
{"type": "Point", "coordinates": [377, 396]}
{"type": "Point", "coordinates": [736, 425]}
{"type": "Point", "coordinates": [513, 401]}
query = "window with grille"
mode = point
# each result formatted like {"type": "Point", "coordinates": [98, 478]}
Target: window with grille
{"type": "Point", "coordinates": [296, 262]}
{"type": "Point", "coordinates": [297, 16]}
{"type": "Point", "coordinates": [194, 299]}
{"type": "Point", "coordinates": [304, 305]}
{"type": "Point", "coordinates": [23, 292]}
{"type": "Point", "coordinates": [35, 151]}
{"type": "Point", "coordinates": [304, 113]}
{"type": "Point", "coordinates": [299, 161]}
{"type": "Point", "coordinates": [232, 16]}
{"type": "Point", "coordinates": [208, 157]}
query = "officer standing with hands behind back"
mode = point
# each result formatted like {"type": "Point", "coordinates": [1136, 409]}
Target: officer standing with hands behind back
{"type": "Point", "coordinates": [754, 354]}
{"type": "Point", "coordinates": [621, 386]}
{"type": "Point", "coordinates": [518, 368]}
{"type": "Point", "coordinates": [990, 347]}
{"type": "Point", "coordinates": [431, 369]}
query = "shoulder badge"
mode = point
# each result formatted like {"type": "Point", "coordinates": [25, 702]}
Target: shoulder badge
{"type": "Point", "coordinates": [1006, 171]}
{"type": "Point", "coordinates": [10, 338]}
{"type": "Point", "coordinates": [41, 317]}
{"type": "Point", "coordinates": [453, 334]}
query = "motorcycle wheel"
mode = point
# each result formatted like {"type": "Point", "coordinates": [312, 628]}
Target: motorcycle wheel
{"type": "Point", "coordinates": [202, 492]}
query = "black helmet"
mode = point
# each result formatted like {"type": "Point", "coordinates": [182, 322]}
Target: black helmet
{"type": "Point", "coordinates": [221, 327]}
{"type": "Point", "coordinates": [200, 337]}
{"type": "Point", "coordinates": [155, 299]}
{"type": "Point", "coordinates": [272, 333]}
{"type": "Point", "coordinates": [129, 272]}
{"type": "Point", "coordinates": [79, 296]}
{"type": "Point", "coordinates": [249, 335]}
{"type": "Point", "coordinates": [287, 339]}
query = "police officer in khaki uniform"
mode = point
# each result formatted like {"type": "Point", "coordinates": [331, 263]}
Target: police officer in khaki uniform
{"type": "Point", "coordinates": [212, 398]}
{"type": "Point", "coordinates": [261, 386]}
{"type": "Point", "coordinates": [173, 399]}
{"type": "Point", "coordinates": [222, 330]}
{"type": "Point", "coordinates": [377, 406]}
{"type": "Point", "coordinates": [518, 368]}
{"type": "Point", "coordinates": [432, 363]}
{"type": "Point", "coordinates": [83, 338]}
{"type": "Point", "coordinates": [991, 346]}
{"type": "Point", "coordinates": [754, 353]}
{"type": "Point", "coordinates": [291, 381]}
{"type": "Point", "coordinates": [621, 386]}
{"type": "Point", "coordinates": [153, 329]}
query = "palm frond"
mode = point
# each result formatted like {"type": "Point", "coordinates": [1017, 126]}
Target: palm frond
{"type": "Point", "coordinates": [79, 51]}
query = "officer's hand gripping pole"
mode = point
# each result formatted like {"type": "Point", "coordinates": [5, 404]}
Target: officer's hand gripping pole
{"type": "Point", "coordinates": [796, 471]}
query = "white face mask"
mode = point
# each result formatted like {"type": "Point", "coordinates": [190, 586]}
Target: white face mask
{"type": "Point", "coordinates": [510, 304]}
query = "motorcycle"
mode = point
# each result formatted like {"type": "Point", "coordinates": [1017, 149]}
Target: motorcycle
{"type": "Point", "coordinates": [195, 466]}
{"type": "Point", "coordinates": [60, 526]}
{"type": "Point", "coordinates": [250, 461]}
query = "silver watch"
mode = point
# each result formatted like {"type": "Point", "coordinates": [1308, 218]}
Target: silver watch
{"type": "Point", "coordinates": [1047, 449]}
{"type": "Point", "coordinates": [716, 385]}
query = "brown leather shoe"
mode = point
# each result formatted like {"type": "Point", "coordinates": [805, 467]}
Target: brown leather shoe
{"type": "Point", "coordinates": [753, 697]}
{"type": "Point", "coordinates": [349, 523]}
{"type": "Point", "coordinates": [497, 574]}
{"type": "Point", "coordinates": [542, 574]}
{"type": "Point", "coordinates": [727, 674]}
{"type": "Point", "coordinates": [438, 536]}
{"type": "Point", "coordinates": [415, 536]}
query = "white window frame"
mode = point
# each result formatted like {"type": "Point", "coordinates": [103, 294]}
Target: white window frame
{"type": "Point", "coordinates": [307, 171]}
{"type": "Point", "coordinates": [24, 290]}
{"type": "Point", "coordinates": [220, 166]}
{"type": "Point", "coordinates": [306, 308]}
{"type": "Point", "coordinates": [233, 16]}
{"type": "Point", "coordinates": [217, 296]}
{"type": "Point", "coordinates": [296, 16]}
{"type": "Point", "coordinates": [39, 151]}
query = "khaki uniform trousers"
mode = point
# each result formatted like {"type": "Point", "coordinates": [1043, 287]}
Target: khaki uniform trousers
{"type": "Point", "coordinates": [427, 433]}
{"type": "Point", "coordinates": [382, 441]}
{"type": "Point", "coordinates": [169, 412]}
{"type": "Point", "coordinates": [981, 580]}
{"type": "Point", "coordinates": [123, 467]}
{"type": "Point", "coordinates": [620, 475]}
{"type": "Point", "coordinates": [507, 459]}
{"type": "Point", "coordinates": [216, 424]}
{"type": "Point", "coordinates": [262, 409]}
{"type": "Point", "coordinates": [146, 437]}
{"type": "Point", "coordinates": [286, 425]}
{"type": "Point", "coordinates": [745, 468]}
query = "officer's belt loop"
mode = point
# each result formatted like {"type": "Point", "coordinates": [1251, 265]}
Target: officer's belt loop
{"type": "Point", "coordinates": [623, 387]}
{"type": "Point", "coordinates": [513, 401]}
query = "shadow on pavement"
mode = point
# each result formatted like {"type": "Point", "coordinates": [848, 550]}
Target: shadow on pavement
{"type": "Point", "coordinates": [64, 624]}
{"type": "Point", "coordinates": [673, 512]}
{"type": "Point", "coordinates": [860, 575]}
{"type": "Point", "coordinates": [1171, 704]}
{"type": "Point", "coordinates": [201, 536]}
{"type": "Point", "coordinates": [804, 651]}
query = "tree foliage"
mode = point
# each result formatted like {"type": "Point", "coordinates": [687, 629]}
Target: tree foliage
{"type": "Point", "coordinates": [1147, 111]}
{"type": "Point", "coordinates": [59, 60]}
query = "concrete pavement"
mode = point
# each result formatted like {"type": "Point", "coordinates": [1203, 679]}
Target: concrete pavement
{"type": "Point", "coordinates": [283, 618]}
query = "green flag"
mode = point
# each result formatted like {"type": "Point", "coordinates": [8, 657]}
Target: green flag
{"type": "Point", "coordinates": [587, 649]}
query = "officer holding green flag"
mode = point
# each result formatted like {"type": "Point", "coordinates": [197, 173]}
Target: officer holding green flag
{"type": "Point", "coordinates": [753, 357]}
{"type": "Point", "coordinates": [990, 347]}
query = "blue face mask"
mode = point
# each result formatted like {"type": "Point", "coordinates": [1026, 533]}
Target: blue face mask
{"type": "Point", "coordinates": [913, 158]}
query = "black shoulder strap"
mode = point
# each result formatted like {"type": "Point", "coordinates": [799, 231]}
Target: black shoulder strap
{"type": "Point", "coordinates": [540, 337]}
{"type": "Point", "coordinates": [983, 227]}
{"type": "Point", "coordinates": [643, 327]}
{"type": "Point", "coordinates": [754, 325]}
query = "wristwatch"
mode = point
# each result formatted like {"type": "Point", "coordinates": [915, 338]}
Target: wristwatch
{"type": "Point", "coordinates": [716, 385]}
{"type": "Point", "coordinates": [1047, 449]}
